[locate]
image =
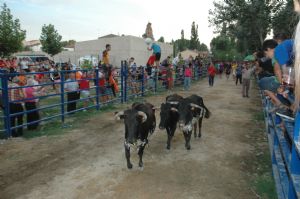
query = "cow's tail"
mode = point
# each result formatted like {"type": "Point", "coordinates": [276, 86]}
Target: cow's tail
{"type": "Point", "coordinates": [207, 112]}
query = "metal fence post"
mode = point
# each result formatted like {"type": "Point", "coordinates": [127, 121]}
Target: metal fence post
{"type": "Point", "coordinates": [143, 82]}
{"type": "Point", "coordinates": [155, 80]}
{"type": "Point", "coordinates": [122, 81]}
{"type": "Point", "coordinates": [5, 100]}
{"type": "Point", "coordinates": [62, 95]}
{"type": "Point", "coordinates": [97, 88]}
{"type": "Point", "coordinates": [125, 81]}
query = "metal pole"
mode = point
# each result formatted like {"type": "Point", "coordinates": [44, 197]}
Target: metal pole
{"type": "Point", "coordinates": [122, 81]}
{"type": "Point", "coordinates": [143, 82]}
{"type": "Point", "coordinates": [97, 88]}
{"type": "Point", "coordinates": [155, 80]}
{"type": "Point", "coordinates": [5, 100]}
{"type": "Point", "coordinates": [62, 96]}
{"type": "Point", "coordinates": [125, 81]}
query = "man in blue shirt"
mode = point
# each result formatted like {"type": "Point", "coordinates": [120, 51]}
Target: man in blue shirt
{"type": "Point", "coordinates": [157, 52]}
{"type": "Point", "coordinates": [284, 53]}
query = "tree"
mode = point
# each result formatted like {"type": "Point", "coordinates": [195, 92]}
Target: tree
{"type": "Point", "coordinates": [50, 40]}
{"type": "Point", "coordinates": [248, 21]}
{"type": "Point", "coordinates": [285, 19]}
{"type": "Point", "coordinates": [203, 47]}
{"type": "Point", "coordinates": [161, 39]}
{"type": "Point", "coordinates": [11, 34]}
{"type": "Point", "coordinates": [70, 43]}
{"type": "Point", "coordinates": [224, 48]}
{"type": "Point", "coordinates": [194, 42]}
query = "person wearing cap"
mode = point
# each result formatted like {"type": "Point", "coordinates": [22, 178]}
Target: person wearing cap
{"type": "Point", "coordinates": [15, 96]}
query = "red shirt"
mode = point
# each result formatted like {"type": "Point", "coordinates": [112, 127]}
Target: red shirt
{"type": "Point", "coordinates": [188, 72]}
{"type": "Point", "coordinates": [84, 84]}
{"type": "Point", "coordinates": [211, 70]}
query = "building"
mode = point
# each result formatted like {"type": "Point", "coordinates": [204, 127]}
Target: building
{"type": "Point", "coordinates": [33, 45]}
{"type": "Point", "coordinates": [123, 47]}
{"type": "Point", "coordinates": [187, 53]}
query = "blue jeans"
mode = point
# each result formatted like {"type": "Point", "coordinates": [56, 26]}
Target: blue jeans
{"type": "Point", "coordinates": [211, 80]}
{"type": "Point", "coordinates": [269, 84]}
{"type": "Point", "coordinates": [187, 83]}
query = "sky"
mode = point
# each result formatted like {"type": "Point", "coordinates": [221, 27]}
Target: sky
{"type": "Point", "coordinates": [83, 20]}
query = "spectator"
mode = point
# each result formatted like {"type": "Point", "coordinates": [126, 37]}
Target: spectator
{"type": "Point", "coordinates": [102, 87]}
{"type": "Point", "coordinates": [297, 57]}
{"type": "Point", "coordinates": [15, 106]}
{"type": "Point", "coordinates": [166, 62]}
{"type": "Point", "coordinates": [211, 74]}
{"type": "Point", "coordinates": [157, 52]}
{"type": "Point", "coordinates": [30, 93]}
{"type": "Point", "coordinates": [170, 77]}
{"type": "Point", "coordinates": [238, 73]}
{"type": "Point", "coordinates": [84, 86]}
{"type": "Point", "coordinates": [71, 86]}
{"type": "Point", "coordinates": [227, 70]}
{"type": "Point", "coordinates": [247, 72]}
{"type": "Point", "coordinates": [187, 77]}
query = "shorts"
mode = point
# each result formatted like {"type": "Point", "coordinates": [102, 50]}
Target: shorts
{"type": "Point", "coordinates": [85, 93]}
{"type": "Point", "coordinates": [157, 56]}
{"type": "Point", "coordinates": [269, 84]}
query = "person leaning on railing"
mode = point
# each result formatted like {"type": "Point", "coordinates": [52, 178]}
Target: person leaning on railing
{"type": "Point", "coordinates": [15, 106]}
{"type": "Point", "coordinates": [30, 93]}
{"type": "Point", "coordinates": [71, 86]}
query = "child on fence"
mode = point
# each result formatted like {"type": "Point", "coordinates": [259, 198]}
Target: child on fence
{"type": "Point", "coordinates": [84, 86]}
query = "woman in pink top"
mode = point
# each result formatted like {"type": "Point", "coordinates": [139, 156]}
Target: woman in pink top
{"type": "Point", "coordinates": [31, 104]}
{"type": "Point", "coordinates": [187, 77]}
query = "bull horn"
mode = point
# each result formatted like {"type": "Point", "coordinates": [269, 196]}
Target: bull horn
{"type": "Point", "coordinates": [173, 102]}
{"type": "Point", "coordinates": [141, 113]}
{"type": "Point", "coordinates": [118, 115]}
{"type": "Point", "coordinates": [195, 106]}
{"type": "Point", "coordinates": [174, 109]}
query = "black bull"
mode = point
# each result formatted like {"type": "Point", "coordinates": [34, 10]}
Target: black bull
{"type": "Point", "coordinates": [191, 111]}
{"type": "Point", "coordinates": [139, 121]}
{"type": "Point", "coordinates": [169, 116]}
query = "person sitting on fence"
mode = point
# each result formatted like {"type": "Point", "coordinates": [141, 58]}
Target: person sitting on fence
{"type": "Point", "coordinates": [30, 93]}
{"type": "Point", "coordinates": [15, 106]}
{"type": "Point", "coordinates": [84, 86]}
{"type": "Point", "coordinates": [71, 86]}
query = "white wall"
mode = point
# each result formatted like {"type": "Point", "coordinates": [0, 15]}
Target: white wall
{"type": "Point", "coordinates": [123, 47]}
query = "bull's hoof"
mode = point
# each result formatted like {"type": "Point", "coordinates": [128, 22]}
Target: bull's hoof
{"type": "Point", "coordinates": [199, 136]}
{"type": "Point", "coordinates": [168, 147]}
{"type": "Point", "coordinates": [188, 147]}
{"type": "Point", "coordinates": [129, 166]}
{"type": "Point", "coordinates": [141, 165]}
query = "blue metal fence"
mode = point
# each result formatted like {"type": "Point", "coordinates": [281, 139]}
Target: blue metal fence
{"type": "Point", "coordinates": [53, 104]}
{"type": "Point", "coordinates": [285, 151]}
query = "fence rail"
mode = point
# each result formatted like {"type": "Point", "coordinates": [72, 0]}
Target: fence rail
{"type": "Point", "coordinates": [53, 104]}
{"type": "Point", "coordinates": [285, 151]}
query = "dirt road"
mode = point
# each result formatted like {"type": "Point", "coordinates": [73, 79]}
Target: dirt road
{"type": "Point", "coordinates": [89, 162]}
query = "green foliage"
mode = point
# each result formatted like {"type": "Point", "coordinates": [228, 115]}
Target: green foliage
{"type": "Point", "coordinates": [194, 42]}
{"type": "Point", "coordinates": [11, 34]}
{"type": "Point", "coordinates": [203, 47]}
{"type": "Point", "coordinates": [50, 40]}
{"type": "Point", "coordinates": [224, 48]}
{"type": "Point", "coordinates": [248, 22]}
{"type": "Point", "coordinates": [87, 64]}
{"type": "Point", "coordinates": [285, 19]}
{"type": "Point", "coordinates": [161, 39]}
{"type": "Point", "coordinates": [69, 43]}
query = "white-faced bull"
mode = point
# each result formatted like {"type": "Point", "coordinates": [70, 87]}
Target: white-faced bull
{"type": "Point", "coordinates": [191, 111]}
{"type": "Point", "coordinates": [169, 116]}
{"type": "Point", "coordinates": [139, 121]}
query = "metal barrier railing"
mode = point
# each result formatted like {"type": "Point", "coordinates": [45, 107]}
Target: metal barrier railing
{"type": "Point", "coordinates": [56, 103]}
{"type": "Point", "coordinates": [285, 151]}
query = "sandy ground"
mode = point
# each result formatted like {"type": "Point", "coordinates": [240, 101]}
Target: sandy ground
{"type": "Point", "coordinates": [89, 162]}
